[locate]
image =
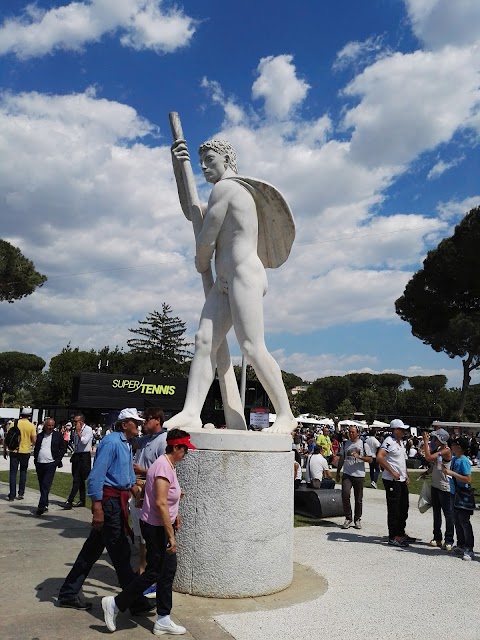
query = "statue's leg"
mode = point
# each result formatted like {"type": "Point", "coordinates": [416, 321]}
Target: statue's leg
{"type": "Point", "coordinates": [246, 303]}
{"type": "Point", "coordinates": [215, 323]}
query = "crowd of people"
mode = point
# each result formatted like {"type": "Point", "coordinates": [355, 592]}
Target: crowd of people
{"type": "Point", "coordinates": [126, 484]}
{"type": "Point", "coordinates": [447, 460]}
{"type": "Point", "coordinates": [133, 480]}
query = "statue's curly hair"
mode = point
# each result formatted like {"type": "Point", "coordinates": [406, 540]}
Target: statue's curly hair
{"type": "Point", "coordinates": [224, 148]}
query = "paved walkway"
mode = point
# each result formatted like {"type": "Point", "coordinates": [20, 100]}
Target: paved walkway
{"type": "Point", "coordinates": [348, 585]}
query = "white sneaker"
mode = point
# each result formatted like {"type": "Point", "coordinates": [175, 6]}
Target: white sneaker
{"type": "Point", "coordinates": [358, 524]}
{"type": "Point", "coordinates": [446, 547]}
{"type": "Point", "coordinates": [374, 485]}
{"type": "Point", "coordinates": [468, 555]}
{"type": "Point", "coordinates": [172, 628]}
{"type": "Point", "coordinates": [435, 543]}
{"type": "Point", "coordinates": [347, 524]}
{"type": "Point", "coordinates": [110, 612]}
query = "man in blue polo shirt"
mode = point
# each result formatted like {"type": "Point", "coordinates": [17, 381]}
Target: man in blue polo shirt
{"type": "Point", "coordinates": [110, 484]}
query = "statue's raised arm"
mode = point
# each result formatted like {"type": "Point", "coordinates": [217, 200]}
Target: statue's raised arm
{"type": "Point", "coordinates": [190, 203]}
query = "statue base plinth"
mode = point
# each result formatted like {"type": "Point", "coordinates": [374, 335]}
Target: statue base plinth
{"type": "Point", "coordinates": [236, 538]}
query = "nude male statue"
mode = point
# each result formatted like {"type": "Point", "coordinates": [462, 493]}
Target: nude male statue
{"type": "Point", "coordinates": [230, 231]}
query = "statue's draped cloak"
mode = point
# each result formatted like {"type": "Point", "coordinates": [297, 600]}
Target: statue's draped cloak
{"type": "Point", "coordinates": [276, 226]}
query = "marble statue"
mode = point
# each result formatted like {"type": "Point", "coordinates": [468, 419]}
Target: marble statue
{"type": "Point", "coordinates": [246, 227]}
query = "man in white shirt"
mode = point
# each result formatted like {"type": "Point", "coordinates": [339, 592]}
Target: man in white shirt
{"type": "Point", "coordinates": [392, 459]}
{"type": "Point", "coordinates": [81, 461]}
{"type": "Point", "coordinates": [48, 453]}
{"type": "Point", "coordinates": [317, 469]}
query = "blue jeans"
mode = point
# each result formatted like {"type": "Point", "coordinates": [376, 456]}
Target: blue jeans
{"type": "Point", "coordinates": [45, 473]}
{"type": "Point", "coordinates": [374, 470]}
{"type": "Point", "coordinates": [464, 530]}
{"type": "Point", "coordinates": [16, 460]}
{"type": "Point", "coordinates": [442, 501]}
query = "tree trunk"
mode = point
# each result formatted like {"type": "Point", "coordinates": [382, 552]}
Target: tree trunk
{"type": "Point", "coordinates": [465, 384]}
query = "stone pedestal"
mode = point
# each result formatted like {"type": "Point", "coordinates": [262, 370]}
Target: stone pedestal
{"type": "Point", "coordinates": [236, 538]}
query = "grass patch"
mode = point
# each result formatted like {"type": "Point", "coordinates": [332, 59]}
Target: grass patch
{"type": "Point", "coordinates": [302, 521]}
{"type": "Point", "coordinates": [61, 486]}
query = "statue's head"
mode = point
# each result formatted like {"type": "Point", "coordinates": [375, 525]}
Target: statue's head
{"type": "Point", "coordinates": [215, 154]}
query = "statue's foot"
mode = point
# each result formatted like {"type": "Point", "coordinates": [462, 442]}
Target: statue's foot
{"type": "Point", "coordinates": [283, 424]}
{"type": "Point", "coordinates": [183, 421]}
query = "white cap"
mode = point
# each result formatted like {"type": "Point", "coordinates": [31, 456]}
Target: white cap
{"type": "Point", "coordinates": [130, 414]}
{"type": "Point", "coordinates": [398, 424]}
{"type": "Point", "coordinates": [26, 411]}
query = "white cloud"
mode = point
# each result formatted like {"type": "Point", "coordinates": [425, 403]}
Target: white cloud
{"type": "Point", "coordinates": [279, 86]}
{"type": "Point", "coordinates": [103, 204]}
{"type": "Point", "coordinates": [410, 103]}
{"type": "Point", "coordinates": [445, 22]}
{"type": "Point", "coordinates": [141, 24]}
{"type": "Point", "coordinates": [100, 200]}
{"type": "Point", "coordinates": [453, 210]}
{"type": "Point", "coordinates": [233, 112]}
{"type": "Point", "coordinates": [90, 204]}
{"type": "Point", "coordinates": [357, 53]}
{"type": "Point", "coordinates": [440, 167]}
{"type": "Point", "coordinates": [310, 367]}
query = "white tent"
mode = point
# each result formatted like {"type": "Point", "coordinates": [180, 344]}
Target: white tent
{"type": "Point", "coordinates": [353, 423]}
{"type": "Point", "coordinates": [306, 418]}
{"type": "Point", "coordinates": [378, 424]}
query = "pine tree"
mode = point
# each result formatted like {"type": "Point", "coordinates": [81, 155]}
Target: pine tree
{"type": "Point", "coordinates": [161, 347]}
{"type": "Point", "coordinates": [442, 301]}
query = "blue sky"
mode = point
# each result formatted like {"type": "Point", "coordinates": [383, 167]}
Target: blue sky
{"type": "Point", "coordinates": [365, 115]}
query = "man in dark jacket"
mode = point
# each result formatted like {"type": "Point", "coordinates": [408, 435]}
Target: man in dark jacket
{"type": "Point", "coordinates": [47, 456]}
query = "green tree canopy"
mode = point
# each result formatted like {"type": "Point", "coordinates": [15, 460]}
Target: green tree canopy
{"type": "Point", "coordinates": [442, 301]}
{"type": "Point", "coordinates": [345, 410]}
{"type": "Point", "coordinates": [333, 390]}
{"type": "Point", "coordinates": [290, 380]}
{"type": "Point", "coordinates": [18, 276]}
{"type": "Point", "coordinates": [55, 386]}
{"type": "Point", "coordinates": [16, 369]}
{"type": "Point", "coordinates": [311, 401]}
{"type": "Point", "coordinates": [161, 347]}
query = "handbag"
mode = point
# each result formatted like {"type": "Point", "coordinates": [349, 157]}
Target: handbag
{"type": "Point", "coordinates": [425, 497]}
{"type": "Point", "coordinates": [140, 495]}
{"type": "Point", "coordinates": [464, 498]}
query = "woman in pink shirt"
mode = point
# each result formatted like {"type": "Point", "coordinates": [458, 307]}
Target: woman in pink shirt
{"type": "Point", "coordinates": [158, 521]}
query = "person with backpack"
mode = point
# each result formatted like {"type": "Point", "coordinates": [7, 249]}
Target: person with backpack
{"type": "Point", "coordinates": [18, 441]}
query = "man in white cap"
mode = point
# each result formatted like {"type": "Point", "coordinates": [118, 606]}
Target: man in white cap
{"type": "Point", "coordinates": [110, 484]}
{"type": "Point", "coordinates": [392, 458]}
{"type": "Point", "coordinates": [21, 454]}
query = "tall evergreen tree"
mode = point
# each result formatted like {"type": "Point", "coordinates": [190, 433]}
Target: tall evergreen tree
{"type": "Point", "coordinates": [161, 347]}
{"type": "Point", "coordinates": [17, 370]}
{"type": "Point", "coordinates": [442, 301]}
{"type": "Point", "coordinates": [18, 276]}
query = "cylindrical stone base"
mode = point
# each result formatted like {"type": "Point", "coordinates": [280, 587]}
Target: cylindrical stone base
{"type": "Point", "coordinates": [236, 538]}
